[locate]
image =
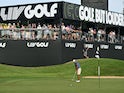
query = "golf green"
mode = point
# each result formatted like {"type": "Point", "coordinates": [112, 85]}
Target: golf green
{"type": "Point", "coordinates": [60, 85]}
{"type": "Point", "coordinates": [58, 78]}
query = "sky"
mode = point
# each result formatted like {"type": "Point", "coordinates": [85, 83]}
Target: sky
{"type": "Point", "coordinates": [114, 5]}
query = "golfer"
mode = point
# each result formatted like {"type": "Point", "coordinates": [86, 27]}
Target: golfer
{"type": "Point", "coordinates": [78, 69]}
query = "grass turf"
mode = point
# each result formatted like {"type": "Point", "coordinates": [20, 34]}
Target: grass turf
{"type": "Point", "coordinates": [57, 79]}
{"type": "Point", "coordinates": [60, 85]}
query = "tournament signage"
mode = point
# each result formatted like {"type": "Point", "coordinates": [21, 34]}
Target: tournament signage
{"type": "Point", "coordinates": [88, 46]}
{"type": "Point", "coordinates": [37, 44]}
{"type": "Point", "coordinates": [40, 10]}
{"type": "Point", "coordinates": [2, 45]}
{"type": "Point", "coordinates": [100, 16]}
{"type": "Point", "coordinates": [76, 12]}
{"type": "Point", "coordinates": [70, 45]}
{"type": "Point", "coordinates": [60, 10]}
{"type": "Point", "coordinates": [102, 46]}
{"type": "Point", "coordinates": [28, 11]}
{"type": "Point", "coordinates": [118, 47]}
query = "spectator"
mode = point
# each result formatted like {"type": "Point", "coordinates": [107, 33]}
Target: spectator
{"type": "Point", "coordinates": [56, 32]}
{"type": "Point", "coordinates": [23, 32]}
{"type": "Point", "coordinates": [64, 33]}
{"type": "Point", "coordinates": [15, 34]}
{"type": "Point", "coordinates": [103, 35]}
{"type": "Point", "coordinates": [34, 32]}
{"type": "Point", "coordinates": [50, 33]}
{"type": "Point", "coordinates": [47, 31]}
{"type": "Point", "coordinates": [112, 36]}
{"type": "Point", "coordinates": [99, 35]}
{"type": "Point", "coordinates": [39, 32]}
{"type": "Point", "coordinates": [90, 34]}
{"type": "Point", "coordinates": [68, 31]}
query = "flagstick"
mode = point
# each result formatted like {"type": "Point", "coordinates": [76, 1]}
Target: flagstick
{"type": "Point", "coordinates": [99, 72]}
{"type": "Point", "coordinates": [98, 57]}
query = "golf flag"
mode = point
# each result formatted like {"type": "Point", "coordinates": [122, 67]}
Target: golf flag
{"type": "Point", "coordinates": [97, 56]}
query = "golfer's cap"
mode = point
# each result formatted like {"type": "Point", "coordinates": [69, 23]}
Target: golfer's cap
{"type": "Point", "coordinates": [74, 60]}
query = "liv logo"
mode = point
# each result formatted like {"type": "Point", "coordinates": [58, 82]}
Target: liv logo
{"type": "Point", "coordinates": [2, 45]}
{"type": "Point", "coordinates": [38, 44]}
{"type": "Point", "coordinates": [29, 11]}
{"type": "Point", "coordinates": [40, 10]}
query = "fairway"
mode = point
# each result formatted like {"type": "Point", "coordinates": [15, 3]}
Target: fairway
{"type": "Point", "coordinates": [60, 85]}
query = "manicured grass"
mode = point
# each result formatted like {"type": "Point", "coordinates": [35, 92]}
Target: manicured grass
{"type": "Point", "coordinates": [109, 67]}
{"type": "Point", "coordinates": [60, 85]}
{"type": "Point", "coordinates": [58, 78]}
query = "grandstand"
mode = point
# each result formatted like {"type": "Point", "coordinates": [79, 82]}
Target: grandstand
{"type": "Point", "coordinates": [30, 36]}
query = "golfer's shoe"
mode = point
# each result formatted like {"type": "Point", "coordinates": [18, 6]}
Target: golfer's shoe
{"type": "Point", "coordinates": [77, 81]}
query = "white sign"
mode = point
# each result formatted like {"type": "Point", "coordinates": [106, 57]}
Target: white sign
{"type": "Point", "coordinates": [117, 47]}
{"type": "Point", "coordinates": [88, 45]}
{"type": "Point", "coordinates": [2, 45]}
{"type": "Point", "coordinates": [100, 16]}
{"type": "Point", "coordinates": [86, 13]}
{"type": "Point", "coordinates": [13, 13]}
{"type": "Point", "coordinates": [70, 45]}
{"type": "Point", "coordinates": [104, 46]}
{"type": "Point", "coordinates": [40, 10]}
{"type": "Point", "coordinates": [38, 44]}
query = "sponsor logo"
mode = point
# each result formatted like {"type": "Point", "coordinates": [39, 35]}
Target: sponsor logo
{"type": "Point", "coordinates": [2, 45]}
{"type": "Point", "coordinates": [104, 46]}
{"type": "Point", "coordinates": [13, 13]}
{"type": "Point", "coordinates": [86, 13]}
{"type": "Point", "coordinates": [88, 45]}
{"type": "Point", "coordinates": [118, 47]}
{"type": "Point", "coordinates": [70, 45]}
{"type": "Point", "coordinates": [38, 44]}
{"type": "Point", "coordinates": [40, 10]}
{"type": "Point", "coordinates": [100, 16]}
